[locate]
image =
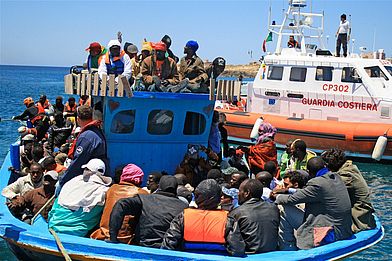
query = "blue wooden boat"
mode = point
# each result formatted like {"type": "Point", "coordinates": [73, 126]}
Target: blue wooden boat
{"type": "Point", "coordinates": [153, 131]}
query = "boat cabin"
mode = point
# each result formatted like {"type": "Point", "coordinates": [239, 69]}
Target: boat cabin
{"type": "Point", "coordinates": [150, 129]}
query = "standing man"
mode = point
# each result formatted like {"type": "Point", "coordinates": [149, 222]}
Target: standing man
{"type": "Point", "coordinates": [343, 35]}
{"type": "Point", "coordinates": [89, 144]}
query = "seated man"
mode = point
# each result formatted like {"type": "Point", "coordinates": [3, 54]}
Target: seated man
{"type": "Point", "coordinates": [167, 40]}
{"type": "Point", "coordinates": [204, 228]}
{"type": "Point", "coordinates": [215, 69]}
{"type": "Point", "coordinates": [79, 206]}
{"type": "Point", "coordinates": [96, 52]}
{"type": "Point", "coordinates": [153, 182]}
{"type": "Point", "coordinates": [328, 211]}
{"type": "Point", "coordinates": [361, 207]}
{"type": "Point", "coordinates": [192, 69]}
{"type": "Point", "coordinates": [257, 220]}
{"type": "Point", "coordinates": [70, 110]}
{"type": "Point", "coordinates": [300, 155]}
{"type": "Point", "coordinates": [292, 43]}
{"type": "Point", "coordinates": [159, 72]}
{"type": "Point", "coordinates": [154, 212]}
{"type": "Point", "coordinates": [35, 199]}
{"type": "Point", "coordinates": [229, 198]}
{"type": "Point", "coordinates": [130, 181]}
{"type": "Point", "coordinates": [237, 178]}
{"type": "Point", "coordinates": [116, 62]}
{"type": "Point", "coordinates": [265, 178]}
{"type": "Point", "coordinates": [24, 184]}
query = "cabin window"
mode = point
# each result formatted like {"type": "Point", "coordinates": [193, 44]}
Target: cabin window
{"type": "Point", "coordinates": [298, 74]}
{"type": "Point", "coordinates": [195, 123]}
{"type": "Point", "coordinates": [389, 69]}
{"type": "Point", "coordinates": [375, 72]}
{"type": "Point", "coordinates": [123, 122]}
{"type": "Point", "coordinates": [275, 73]}
{"type": "Point", "coordinates": [324, 73]}
{"type": "Point", "coordinates": [160, 122]}
{"type": "Point", "coordinates": [349, 74]}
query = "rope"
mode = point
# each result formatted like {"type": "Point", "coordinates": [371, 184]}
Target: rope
{"type": "Point", "coordinates": [41, 209]}
{"type": "Point", "coordinates": [60, 245]}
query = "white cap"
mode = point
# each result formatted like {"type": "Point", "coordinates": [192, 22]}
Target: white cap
{"type": "Point", "coordinates": [95, 165]}
{"type": "Point", "coordinates": [53, 174]}
{"type": "Point", "coordinates": [77, 130]}
{"type": "Point", "coordinates": [114, 42]}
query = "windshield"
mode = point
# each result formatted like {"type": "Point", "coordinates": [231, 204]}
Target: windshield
{"type": "Point", "coordinates": [389, 69]}
{"type": "Point", "coordinates": [375, 72]}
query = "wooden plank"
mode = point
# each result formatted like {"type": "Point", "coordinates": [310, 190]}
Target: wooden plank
{"type": "Point", "coordinates": [237, 90]}
{"type": "Point", "coordinates": [83, 84]}
{"type": "Point", "coordinates": [78, 84]}
{"type": "Point", "coordinates": [104, 84]}
{"type": "Point", "coordinates": [212, 89]}
{"type": "Point", "coordinates": [68, 84]}
{"type": "Point", "coordinates": [120, 86]}
{"type": "Point", "coordinates": [111, 85]}
{"type": "Point", "coordinates": [88, 85]}
{"type": "Point", "coordinates": [224, 90]}
{"type": "Point", "coordinates": [126, 87]}
{"type": "Point", "coordinates": [219, 90]}
{"type": "Point", "coordinates": [229, 91]}
{"type": "Point", "coordinates": [96, 84]}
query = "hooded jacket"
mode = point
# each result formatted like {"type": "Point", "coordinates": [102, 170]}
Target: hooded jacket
{"type": "Point", "coordinates": [155, 212]}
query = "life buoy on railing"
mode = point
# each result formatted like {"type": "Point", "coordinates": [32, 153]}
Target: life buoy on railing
{"type": "Point", "coordinates": [380, 146]}
{"type": "Point", "coordinates": [254, 134]}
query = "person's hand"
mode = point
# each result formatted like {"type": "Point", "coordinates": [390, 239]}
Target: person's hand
{"type": "Point", "coordinates": [165, 83]}
{"type": "Point", "coordinates": [280, 190]}
{"type": "Point", "coordinates": [12, 169]}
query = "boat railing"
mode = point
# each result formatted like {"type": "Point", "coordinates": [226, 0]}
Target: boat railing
{"type": "Point", "coordinates": [86, 83]}
{"type": "Point", "coordinates": [91, 84]}
{"type": "Point", "coordinates": [227, 90]}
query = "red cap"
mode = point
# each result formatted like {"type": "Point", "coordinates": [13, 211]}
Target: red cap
{"type": "Point", "coordinates": [160, 46]}
{"type": "Point", "coordinates": [93, 45]}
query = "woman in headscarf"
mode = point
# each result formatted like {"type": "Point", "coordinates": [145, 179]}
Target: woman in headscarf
{"type": "Point", "coordinates": [264, 150]}
{"type": "Point", "coordinates": [129, 186]}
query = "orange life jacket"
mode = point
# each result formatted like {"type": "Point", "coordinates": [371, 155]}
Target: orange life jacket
{"type": "Point", "coordinates": [85, 102]}
{"type": "Point", "coordinates": [40, 114]}
{"type": "Point", "coordinates": [204, 229]}
{"type": "Point", "coordinates": [68, 108]}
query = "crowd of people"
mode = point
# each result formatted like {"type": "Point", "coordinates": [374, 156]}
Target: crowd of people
{"type": "Point", "coordinates": [156, 68]}
{"type": "Point", "coordinates": [222, 199]}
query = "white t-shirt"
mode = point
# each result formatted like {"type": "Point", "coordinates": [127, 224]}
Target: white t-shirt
{"type": "Point", "coordinates": [344, 27]}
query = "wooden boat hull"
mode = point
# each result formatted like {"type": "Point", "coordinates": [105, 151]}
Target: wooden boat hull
{"type": "Point", "coordinates": [357, 139]}
{"type": "Point", "coordinates": [36, 243]}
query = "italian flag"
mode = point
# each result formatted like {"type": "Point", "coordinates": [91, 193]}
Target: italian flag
{"type": "Point", "coordinates": [266, 40]}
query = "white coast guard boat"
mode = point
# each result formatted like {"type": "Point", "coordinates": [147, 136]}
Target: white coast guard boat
{"type": "Point", "coordinates": [308, 93]}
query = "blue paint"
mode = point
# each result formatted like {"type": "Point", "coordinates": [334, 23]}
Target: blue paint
{"type": "Point", "coordinates": [271, 101]}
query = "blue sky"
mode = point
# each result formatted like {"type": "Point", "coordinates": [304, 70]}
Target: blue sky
{"type": "Point", "coordinates": [57, 32]}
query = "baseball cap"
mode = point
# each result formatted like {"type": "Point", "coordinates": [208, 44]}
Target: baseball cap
{"type": "Point", "coordinates": [95, 165]}
{"type": "Point", "coordinates": [93, 45]}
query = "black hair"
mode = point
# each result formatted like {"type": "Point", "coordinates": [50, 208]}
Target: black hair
{"type": "Point", "coordinates": [117, 173]}
{"type": "Point", "coordinates": [71, 99]}
{"type": "Point", "coordinates": [243, 176]}
{"type": "Point", "coordinates": [181, 179]}
{"type": "Point", "coordinates": [37, 152]}
{"type": "Point", "coordinates": [295, 177]}
{"type": "Point", "coordinates": [271, 167]}
{"type": "Point", "coordinates": [265, 178]}
{"type": "Point", "coordinates": [254, 187]}
{"type": "Point", "coordinates": [157, 176]}
{"type": "Point", "coordinates": [314, 165]}
{"type": "Point", "coordinates": [334, 158]}
{"type": "Point", "coordinates": [300, 145]}
{"type": "Point", "coordinates": [48, 162]}
{"type": "Point", "coordinates": [343, 16]}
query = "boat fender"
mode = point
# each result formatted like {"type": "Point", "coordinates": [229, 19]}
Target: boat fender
{"type": "Point", "coordinates": [379, 148]}
{"type": "Point", "coordinates": [254, 134]}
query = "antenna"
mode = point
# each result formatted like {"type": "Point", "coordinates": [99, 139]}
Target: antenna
{"type": "Point", "coordinates": [374, 39]}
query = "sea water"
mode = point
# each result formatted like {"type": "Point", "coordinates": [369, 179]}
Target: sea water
{"type": "Point", "coordinates": [19, 82]}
